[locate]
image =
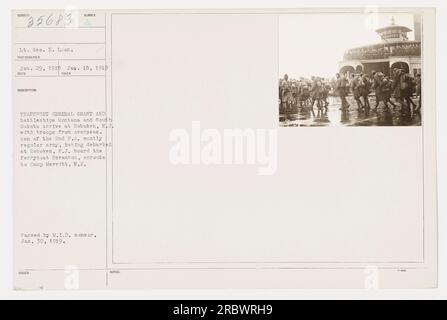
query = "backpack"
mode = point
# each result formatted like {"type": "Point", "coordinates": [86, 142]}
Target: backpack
{"type": "Point", "coordinates": [406, 83]}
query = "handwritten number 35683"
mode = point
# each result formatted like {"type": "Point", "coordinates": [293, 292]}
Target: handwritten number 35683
{"type": "Point", "coordinates": [50, 20]}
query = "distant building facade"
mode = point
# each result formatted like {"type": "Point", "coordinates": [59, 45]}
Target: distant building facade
{"type": "Point", "coordinates": [395, 51]}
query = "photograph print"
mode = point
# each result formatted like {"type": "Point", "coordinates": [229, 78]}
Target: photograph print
{"type": "Point", "coordinates": [350, 69]}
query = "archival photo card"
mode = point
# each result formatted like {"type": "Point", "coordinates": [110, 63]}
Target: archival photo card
{"type": "Point", "coordinates": [158, 148]}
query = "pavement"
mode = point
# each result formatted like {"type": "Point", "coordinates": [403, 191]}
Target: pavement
{"type": "Point", "coordinates": [304, 117]}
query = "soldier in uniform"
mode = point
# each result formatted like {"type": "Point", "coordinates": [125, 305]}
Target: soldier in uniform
{"type": "Point", "coordinates": [407, 89]}
{"type": "Point", "coordinates": [294, 91]}
{"type": "Point", "coordinates": [286, 94]}
{"type": "Point", "coordinates": [305, 93]}
{"type": "Point", "coordinates": [356, 88]}
{"type": "Point", "coordinates": [403, 87]}
{"type": "Point", "coordinates": [326, 90]}
{"type": "Point", "coordinates": [377, 86]}
{"type": "Point", "coordinates": [320, 95]}
{"type": "Point", "coordinates": [397, 79]}
{"type": "Point", "coordinates": [341, 87]}
{"type": "Point", "coordinates": [366, 90]}
{"type": "Point", "coordinates": [419, 91]}
{"type": "Point", "coordinates": [313, 92]}
{"type": "Point", "coordinates": [386, 89]}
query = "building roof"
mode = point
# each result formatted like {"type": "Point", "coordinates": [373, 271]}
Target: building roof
{"type": "Point", "coordinates": [394, 27]}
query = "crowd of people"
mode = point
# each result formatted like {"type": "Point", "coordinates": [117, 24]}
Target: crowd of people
{"type": "Point", "coordinates": [384, 52]}
{"type": "Point", "coordinates": [305, 93]}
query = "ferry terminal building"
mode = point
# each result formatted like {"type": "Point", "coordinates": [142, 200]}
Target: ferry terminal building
{"type": "Point", "coordinates": [394, 51]}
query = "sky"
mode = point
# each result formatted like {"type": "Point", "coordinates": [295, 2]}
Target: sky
{"type": "Point", "coordinates": [313, 44]}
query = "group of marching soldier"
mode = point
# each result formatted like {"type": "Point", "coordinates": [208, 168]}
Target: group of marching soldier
{"type": "Point", "coordinates": [305, 93]}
